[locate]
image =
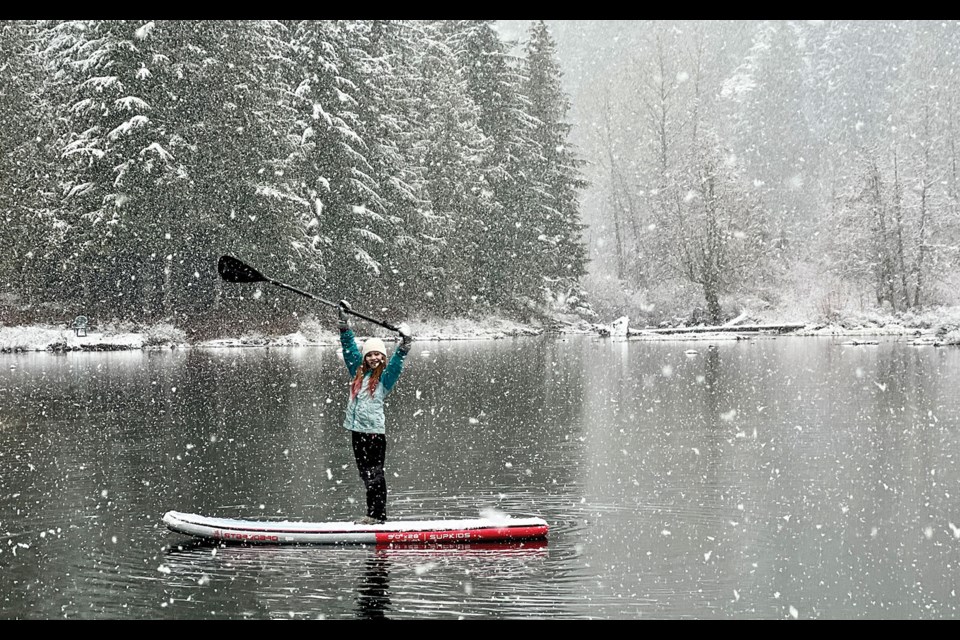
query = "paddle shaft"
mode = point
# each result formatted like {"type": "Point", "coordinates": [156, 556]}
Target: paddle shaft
{"type": "Point", "coordinates": [233, 270]}
{"type": "Point", "coordinates": [385, 325]}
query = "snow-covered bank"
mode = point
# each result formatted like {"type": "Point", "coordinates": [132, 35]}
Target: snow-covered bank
{"type": "Point", "coordinates": [48, 338]}
{"type": "Point", "coordinates": [311, 333]}
{"type": "Point", "coordinates": [938, 327]}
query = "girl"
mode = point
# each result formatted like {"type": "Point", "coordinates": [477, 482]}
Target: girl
{"type": "Point", "coordinates": [373, 379]}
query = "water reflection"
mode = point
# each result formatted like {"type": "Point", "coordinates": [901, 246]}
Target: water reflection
{"type": "Point", "coordinates": [205, 579]}
{"type": "Point", "coordinates": [373, 592]}
{"type": "Point", "coordinates": [736, 479]}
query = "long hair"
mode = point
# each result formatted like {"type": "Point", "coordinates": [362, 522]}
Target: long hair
{"type": "Point", "coordinates": [374, 377]}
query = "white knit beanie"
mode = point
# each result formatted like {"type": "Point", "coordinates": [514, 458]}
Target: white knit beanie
{"type": "Point", "coordinates": [374, 344]}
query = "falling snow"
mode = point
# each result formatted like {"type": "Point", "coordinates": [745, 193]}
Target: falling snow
{"type": "Point", "coordinates": [744, 408]}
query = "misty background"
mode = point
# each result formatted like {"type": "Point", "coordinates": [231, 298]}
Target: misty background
{"type": "Point", "coordinates": [832, 142]}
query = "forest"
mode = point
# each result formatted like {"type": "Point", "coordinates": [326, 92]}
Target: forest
{"type": "Point", "coordinates": [802, 170]}
{"type": "Point", "coordinates": [410, 166]}
{"type": "Point", "coordinates": [674, 172]}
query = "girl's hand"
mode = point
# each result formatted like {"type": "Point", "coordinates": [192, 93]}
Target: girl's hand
{"type": "Point", "coordinates": [406, 337]}
{"type": "Point", "coordinates": [342, 311]}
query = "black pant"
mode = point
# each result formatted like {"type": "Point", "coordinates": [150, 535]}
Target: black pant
{"type": "Point", "coordinates": [370, 450]}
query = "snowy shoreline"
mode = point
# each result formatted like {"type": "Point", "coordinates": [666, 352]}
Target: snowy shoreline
{"type": "Point", "coordinates": [63, 338]}
{"type": "Point", "coordinates": [943, 331]}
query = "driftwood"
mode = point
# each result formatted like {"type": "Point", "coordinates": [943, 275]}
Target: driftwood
{"type": "Point", "coordinates": [743, 328]}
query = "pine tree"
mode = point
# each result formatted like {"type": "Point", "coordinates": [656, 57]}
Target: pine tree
{"type": "Point", "coordinates": [386, 58]}
{"type": "Point", "coordinates": [449, 150]}
{"type": "Point", "coordinates": [506, 237]}
{"type": "Point", "coordinates": [168, 130]}
{"type": "Point", "coordinates": [327, 175]}
{"type": "Point", "coordinates": [357, 195]}
{"type": "Point", "coordinates": [24, 163]}
{"type": "Point", "coordinates": [555, 173]}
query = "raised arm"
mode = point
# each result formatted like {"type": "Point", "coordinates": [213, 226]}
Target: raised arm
{"type": "Point", "coordinates": [351, 352]}
{"type": "Point", "coordinates": [395, 367]}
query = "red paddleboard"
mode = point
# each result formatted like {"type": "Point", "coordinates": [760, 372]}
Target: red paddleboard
{"type": "Point", "coordinates": [484, 529]}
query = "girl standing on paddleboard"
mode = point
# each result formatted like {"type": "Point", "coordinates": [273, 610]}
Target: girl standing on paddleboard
{"type": "Point", "coordinates": [373, 379]}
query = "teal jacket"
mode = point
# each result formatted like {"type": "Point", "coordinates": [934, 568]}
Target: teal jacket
{"type": "Point", "coordinates": [365, 411]}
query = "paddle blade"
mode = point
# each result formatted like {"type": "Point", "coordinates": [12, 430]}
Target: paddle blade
{"type": "Point", "coordinates": [232, 270]}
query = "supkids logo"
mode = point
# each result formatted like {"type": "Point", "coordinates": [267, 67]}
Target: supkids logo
{"type": "Point", "coordinates": [429, 536]}
{"type": "Point", "coordinates": [451, 535]}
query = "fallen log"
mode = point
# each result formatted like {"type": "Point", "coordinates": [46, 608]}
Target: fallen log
{"type": "Point", "coordinates": [743, 328]}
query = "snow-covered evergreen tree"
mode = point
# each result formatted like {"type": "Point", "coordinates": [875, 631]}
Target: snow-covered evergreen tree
{"type": "Point", "coordinates": [168, 127]}
{"type": "Point", "coordinates": [555, 172]}
{"type": "Point", "coordinates": [508, 237]}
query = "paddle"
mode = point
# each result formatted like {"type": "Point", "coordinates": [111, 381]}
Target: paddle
{"type": "Point", "coordinates": [233, 270]}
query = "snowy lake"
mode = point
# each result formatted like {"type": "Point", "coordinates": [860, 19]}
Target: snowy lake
{"type": "Point", "coordinates": [772, 478]}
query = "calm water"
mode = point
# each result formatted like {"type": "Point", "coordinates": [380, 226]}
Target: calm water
{"type": "Point", "coordinates": [769, 478]}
